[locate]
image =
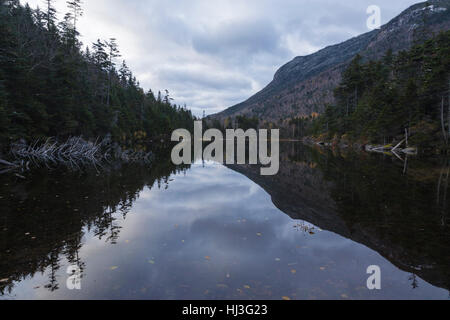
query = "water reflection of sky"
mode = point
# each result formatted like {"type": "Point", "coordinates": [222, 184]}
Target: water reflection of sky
{"type": "Point", "coordinates": [214, 234]}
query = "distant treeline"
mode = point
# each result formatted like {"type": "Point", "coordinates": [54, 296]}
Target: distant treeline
{"type": "Point", "coordinates": [241, 122]}
{"type": "Point", "coordinates": [50, 86]}
{"type": "Point", "coordinates": [381, 101]}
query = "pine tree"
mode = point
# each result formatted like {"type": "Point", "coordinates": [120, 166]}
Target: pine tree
{"type": "Point", "coordinates": [124, 73]}
{"type": "Point", "coordinates": [49, 87]}
{"type": "Point", "coordinates": [50, 14]}
{"type": "Point", "coordinates": [76, 12]}
{"type": "Point", "coordinates": [113, 53]}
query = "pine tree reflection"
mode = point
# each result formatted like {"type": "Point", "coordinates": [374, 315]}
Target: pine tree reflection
{"type": "Point", "coordinates": [43, 219]}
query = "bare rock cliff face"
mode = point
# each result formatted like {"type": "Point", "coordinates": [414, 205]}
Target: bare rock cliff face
{"type": "Point", "coordinates": [305, 85]}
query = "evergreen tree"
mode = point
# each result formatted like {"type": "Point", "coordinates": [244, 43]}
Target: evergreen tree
{"type": "Point", "coordinates": [379, 101]}
{"type": "Point", "coordinates": [76, 12]}
{"type": "Point", "coordinates": [49, 87]}
{"type": "Point", "coordinates": [50, 14]}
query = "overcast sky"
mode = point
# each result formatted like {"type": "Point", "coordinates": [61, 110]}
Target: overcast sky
{"type": "Point", "coordinates": [212, 54]}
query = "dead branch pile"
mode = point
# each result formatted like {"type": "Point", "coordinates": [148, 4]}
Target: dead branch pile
{"type": "Point", "coordinates": [74, 153]}
{"type": "Point", "coordinates": [74, 150]}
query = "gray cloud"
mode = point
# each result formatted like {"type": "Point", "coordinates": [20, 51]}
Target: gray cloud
{"type": "Point", "coordinates": [214, 54]}
{"type": "Point", "coordinates": [198, 80]}
{"type": "Point", "coordinates": [241, 38]}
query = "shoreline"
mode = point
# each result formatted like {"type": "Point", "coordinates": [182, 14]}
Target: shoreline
{"type": "Point", "coordinates": [391, 149]}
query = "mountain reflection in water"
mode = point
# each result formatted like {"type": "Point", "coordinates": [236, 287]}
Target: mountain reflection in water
{"type": "Point", "coordinates": [208, 232]}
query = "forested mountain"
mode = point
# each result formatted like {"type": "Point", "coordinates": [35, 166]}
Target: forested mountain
{"type": "Point", "coordinates": [385, 100]}
{"type": "Point", "coordinates": [51, 86]}
{"type": "Point", "coordinates": [305, 86]}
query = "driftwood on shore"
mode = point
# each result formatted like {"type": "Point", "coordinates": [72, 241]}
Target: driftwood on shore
{"type": "Point", "coordinates": [74, 153]}
{"type": "Point", "coordinates": [6, 166]}
{"type": "Point", "coordinates": [7, 163]}
{"type": "Point", "coordinates": [395, 150]}
{"type": "Point", "coordinates": [74, 150]}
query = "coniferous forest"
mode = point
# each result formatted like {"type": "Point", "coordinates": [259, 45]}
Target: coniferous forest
{"type": "Point", "coordinates": [52, 85]}
{"type": "Point", "coordinates": [382, 101]}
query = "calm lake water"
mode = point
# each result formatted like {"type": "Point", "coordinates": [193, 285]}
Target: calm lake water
{"type": "Point", "coordinates": [213, 232]}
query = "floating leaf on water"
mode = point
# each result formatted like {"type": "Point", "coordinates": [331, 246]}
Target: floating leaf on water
{"type": "Point", "coordinates": [208, 258]}
{"type": "Point", "coordinates": [114, 268]}
{"type": "Point", "coordinates": [285, 298]}
{"type": "Point", "coordinates": [247, 287]}
{"type": "Point", "coordinates": [293, 271]}
{"type": "Point", "coordinates": [151, 262]}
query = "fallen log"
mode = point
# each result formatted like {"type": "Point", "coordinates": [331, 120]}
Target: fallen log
{"type": "Point", "coordinates": [398, 146]}
{"type": "Point", "coordinates": [397, 155]}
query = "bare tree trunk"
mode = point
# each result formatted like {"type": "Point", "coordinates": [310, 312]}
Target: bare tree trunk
{"type": "Point", "coordinates": [444, 132]}
{"type": "Point", "coordinates": [444, 210]}
{"type": "Point", "coordinates": [109, 88]}
{"type": "Point", "coordinates": [439, 187]}
{"type": "Point", "coordinates": [405, 167]}
{"type": "Point", "coordinates": [448, 115]}
{"type": "Point", "coordinates": [446, 188]}
{"type": "Point", "coordinates": [398, 146]}
{"type": "Point", "coordinates": [407, 137]}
